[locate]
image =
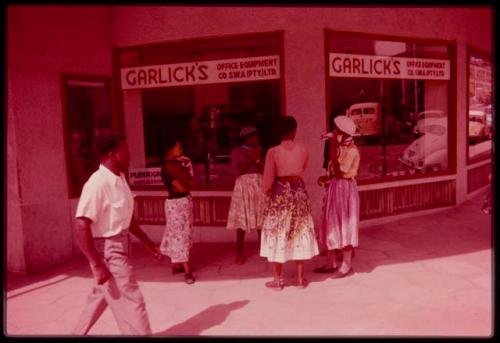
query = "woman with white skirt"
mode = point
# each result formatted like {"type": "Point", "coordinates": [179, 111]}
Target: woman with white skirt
{"type": "Point", "coordinates": [288, 228]}
{"type": "Point", "coordinates": [247, 201]}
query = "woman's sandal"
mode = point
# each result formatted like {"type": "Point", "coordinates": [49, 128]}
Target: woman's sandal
{"type": "Point", "coordinates": [276, 286]}
{"type": "Point", "coordinates": [339, 275]}
{"type": "Point", "coordinates": [302, 283]}
{"type": "Point", "coordinates": [189, 278]}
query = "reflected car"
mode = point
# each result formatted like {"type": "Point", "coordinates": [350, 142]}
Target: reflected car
{"type": "Point", "coordinates": [367, 117]}
{"type": "Point", "coordinates": [427, 118]}
{"type": "Point", "coordinates": [489, 115]}
{"type": "Point", "coordinates": [428, 152]}
{"type": "Point", "coordinates": [478, 126]}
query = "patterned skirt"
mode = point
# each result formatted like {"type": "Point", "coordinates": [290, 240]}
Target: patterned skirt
{"type": "Point", "coordinates": [288, 228]}
{"type": "Point", "coordinates": [247, 203]}
{"type": "Point", "coordinates": [340, 224]}
{"type": "Point", "coordinates": [178, 235]}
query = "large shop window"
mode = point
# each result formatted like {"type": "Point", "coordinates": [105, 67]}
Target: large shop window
{"type": "Point", "coordinates": [398, 94]}
{"type": "Point", "coordinates": [86, 104]}
{"type": "Point", "coordinates": [480, 112]}
{"type": "Point", "coordinates": [204, 91]}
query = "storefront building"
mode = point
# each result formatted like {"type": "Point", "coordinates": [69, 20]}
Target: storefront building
{"type": "Point", "coordinates": [417, 82]}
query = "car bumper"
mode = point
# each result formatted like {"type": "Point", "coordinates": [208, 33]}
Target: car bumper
{"type": "Point", "coordinates": [410, 164]}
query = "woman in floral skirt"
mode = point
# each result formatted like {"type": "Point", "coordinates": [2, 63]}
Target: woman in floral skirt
{"type": "Point", "coordinates": [288, 228]}
{"type": "Point", "coordinates": [177, 175]}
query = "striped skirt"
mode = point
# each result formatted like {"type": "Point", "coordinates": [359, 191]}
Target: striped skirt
{"type": "Point", "coordinates": [246, 210]}
{"type": "Point", "coordinates": [340, 224]}
{"type": "Point", "coordinates": [288, 228]}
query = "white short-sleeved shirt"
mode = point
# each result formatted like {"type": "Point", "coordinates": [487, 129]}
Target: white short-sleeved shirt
{"type": "Point", "coordinates": [107, 200]}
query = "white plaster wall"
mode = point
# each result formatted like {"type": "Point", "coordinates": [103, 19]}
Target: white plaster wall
{"type": "Point", "coordinates": [42, 43]}
{"type": "Point", "coordinates": [134, 127]}
{"type": "Point", "coordinates": [304, 51]}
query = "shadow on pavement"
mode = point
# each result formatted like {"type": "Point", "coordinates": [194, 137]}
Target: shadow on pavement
{"type": "Point", "coordinates": [209, 317]}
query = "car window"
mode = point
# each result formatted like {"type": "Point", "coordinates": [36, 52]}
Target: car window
{"type": "Point", "coordinates": [476, 119]}
{"type": "Point", "coordinates": [369, 111]}
{"type": "Point", "coordinates": [431, 114]}
{"type": "Point", "coordinates": [435, 130]}
{"type": "Point", "coordinates": [356, 112]}
{"type": "Point", "coordinates": [434, 115]}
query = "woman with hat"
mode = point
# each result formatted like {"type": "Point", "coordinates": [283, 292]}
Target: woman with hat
{"type": "Point", "coordinates": [339, 229]}
{"type": "Point", "coordinates": [288, 228]}
{"type": "Point", "coordinates": [247, 202]}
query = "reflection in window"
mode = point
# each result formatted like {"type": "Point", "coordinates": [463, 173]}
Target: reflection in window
{"type": "Point", "coordinates": [87, 114]}
{"type": "Point", "coordinates": [480, 113]}
{"type": "Point", "coordinates": [208, 117]}
{"type": "Point", "coordinates": [401, 119]}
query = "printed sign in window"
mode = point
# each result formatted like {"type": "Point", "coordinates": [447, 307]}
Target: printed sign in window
{"type": "Point", "coordinates": [203, 72]}
{"type": "Point", "coordinates": [385, 67]}
{"type": "Point", "coordinates": [145, 176]}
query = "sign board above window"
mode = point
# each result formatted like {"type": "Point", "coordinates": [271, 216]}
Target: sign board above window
{"type": "Point", "coordinates": [385, 67]}
{"type": "Point", "coordinates": [202, 72]}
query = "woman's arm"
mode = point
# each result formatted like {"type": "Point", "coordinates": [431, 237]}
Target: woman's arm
{"type": "Point", "coordinates": [269, 172]}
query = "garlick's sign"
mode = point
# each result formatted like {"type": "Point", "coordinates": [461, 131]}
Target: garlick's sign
{"type": "Point", "coordinates": [202, 72]}
{"type": "Point", "coordinates": [385, 67]}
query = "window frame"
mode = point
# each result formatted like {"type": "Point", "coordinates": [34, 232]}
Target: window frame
{"type": "Point", "coordinates": [474, 51]}
{"type": "Point", "coordinates": [452, 105]}
{"type": "Point", "coordinates": [115, 121]}
{"type": "Point", "coordinates": [199, 41]}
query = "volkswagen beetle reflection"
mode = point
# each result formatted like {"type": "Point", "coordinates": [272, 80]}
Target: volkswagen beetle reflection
{"type": "Point", "coordinates": [478, 126]}
{"type": "Point", "coordinates": [428, 118]}
{"type": "Point", "coordinates": [428, 152]}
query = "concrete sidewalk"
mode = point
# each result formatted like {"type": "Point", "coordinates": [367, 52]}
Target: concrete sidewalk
{"type": "Point", "coordinates": [424, 276]}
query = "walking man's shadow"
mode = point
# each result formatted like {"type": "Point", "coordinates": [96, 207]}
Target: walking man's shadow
{"type": "Point", "coordinates": [211, 316]}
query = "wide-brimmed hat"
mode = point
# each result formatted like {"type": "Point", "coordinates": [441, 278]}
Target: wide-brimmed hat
{"type": "Point", "coordinates": [247, 131]}
{"type": "Point", "coordinates": [345, 124]}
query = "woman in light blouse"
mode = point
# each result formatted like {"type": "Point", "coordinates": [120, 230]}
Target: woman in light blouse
{"type": "Point", "coordinates": [339, 229]}
{"type": "Point", "coordinates": [288, 228]}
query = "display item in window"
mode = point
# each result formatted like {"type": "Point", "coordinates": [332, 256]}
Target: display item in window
{"type": "Point", "coordinates": [247, 202]}
{"type": "Point", "coordinates": [177, 175]}
{"type": "Point", "coordinates": [288, 227]}
{"type": "Point", "coordinates": [338, 233]}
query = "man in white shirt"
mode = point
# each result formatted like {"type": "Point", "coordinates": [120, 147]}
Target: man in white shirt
{"type": "Point", "coordinates": [104, 218]}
